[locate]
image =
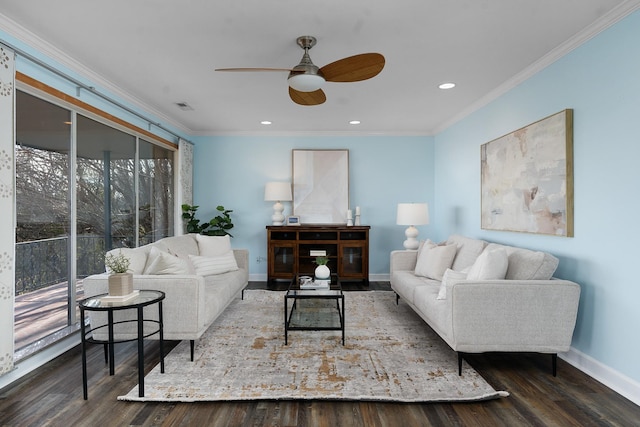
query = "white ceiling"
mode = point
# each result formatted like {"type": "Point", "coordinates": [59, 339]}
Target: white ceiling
{"type": "Point", "coordinates": [160, 52]}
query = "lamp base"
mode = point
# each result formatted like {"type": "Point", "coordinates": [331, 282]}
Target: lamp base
{"type": "Point", "coordinates": [277, 218]}
{"type": "Point", "coordinates": [412, 242]}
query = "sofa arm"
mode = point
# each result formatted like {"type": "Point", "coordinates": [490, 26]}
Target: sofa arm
{"type": "Point", "coordinates": [402, 260]}
{"type": "Point", "coordinates": [513, 315]}
{"type": "Point", "coordinates": [242, 258]}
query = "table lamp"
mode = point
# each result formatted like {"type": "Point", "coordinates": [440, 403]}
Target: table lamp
{"type": "Point", "coordinates": [277, 192]}
{"type": "Point", "coordinates": [412, 214]}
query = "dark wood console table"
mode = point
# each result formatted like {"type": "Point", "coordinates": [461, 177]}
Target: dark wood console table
{"type": "Point", "coordinates": [292, 250]}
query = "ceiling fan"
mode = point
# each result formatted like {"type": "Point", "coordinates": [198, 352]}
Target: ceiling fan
{"type": "Point", "coordinates": [306, 79]}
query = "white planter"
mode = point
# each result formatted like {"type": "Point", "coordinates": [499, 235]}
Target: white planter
{"type": "Point", "coordinates": [322, 272]}
{"type": "Point", "coordinates": [120, 284]}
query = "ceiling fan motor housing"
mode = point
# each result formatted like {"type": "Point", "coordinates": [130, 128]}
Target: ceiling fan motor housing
{"type": "Point", "coordinates": [306, 77]}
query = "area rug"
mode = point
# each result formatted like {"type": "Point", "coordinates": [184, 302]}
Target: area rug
{"type": "Point", "coordinates": [390, 354]}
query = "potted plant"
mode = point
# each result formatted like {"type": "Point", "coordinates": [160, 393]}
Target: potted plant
{"type": "Point", "coordinates": [120, 280]}
{"type": "Point", "coordinates": [322, 271]}
{"type": "Point", "coordinates": [217, 226]}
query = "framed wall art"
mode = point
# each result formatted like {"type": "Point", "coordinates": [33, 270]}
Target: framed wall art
{"type": "Point", "coordinates": [321, 186]}
{"type": "Point", "coordinates": [527, 178]}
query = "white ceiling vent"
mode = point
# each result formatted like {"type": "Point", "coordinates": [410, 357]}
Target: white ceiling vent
{"type": "Point", "coordinates": [184, 106]}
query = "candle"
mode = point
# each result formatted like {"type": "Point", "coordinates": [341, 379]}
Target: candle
{"type": "Point", "coordinates": [357, 210]}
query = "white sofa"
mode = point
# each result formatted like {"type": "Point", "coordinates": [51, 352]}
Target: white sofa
{"type": "Point", "coordinates": [513, 305]}
{"type": "Point", "coordinates": [188, 269]}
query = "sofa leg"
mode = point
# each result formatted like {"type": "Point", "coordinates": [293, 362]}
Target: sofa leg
{"type": "Point", "coordinates": [193, 343]}
{"type": "Point", "coordinates": [459, 363]}
{"type": "Point", "coordinates": [242, 295]}
{"type": "Point", "coordinates": [397, 299]}
{"type": "Point", "coordinates": [554, 363]}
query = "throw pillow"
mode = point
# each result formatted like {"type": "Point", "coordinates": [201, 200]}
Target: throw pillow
{"type": "Point", "coordinates": [164, 263]}
{"type": "Point", "coordinates": [434, 260]}
{"type": "Point", "coordinates": [213, 245]}
{"type": "Point", "coordinates": [137, 258]}
{"type": "Point", "coordinates": [206, 266]}
{"type": "Point", "coordinates": [490, 265]}
{"type": "Point", "coordinates": [447, 277]}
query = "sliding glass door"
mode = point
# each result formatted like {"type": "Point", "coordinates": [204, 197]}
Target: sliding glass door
{"type": "Point", "coordinates": [155, 192]}
{"type": "Point", "coordinates": [43, 147]}
{"type": "Point", "coordinates": [105, 193]}
{"type": "Point", "coordinates": [83, 187]}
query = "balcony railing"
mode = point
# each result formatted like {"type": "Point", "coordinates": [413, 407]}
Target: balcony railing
{"type": "Point", "coordinates": [42, 263]}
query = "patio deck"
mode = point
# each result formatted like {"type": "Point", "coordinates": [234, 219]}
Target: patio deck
{"type": "Point", "coordinates": [41, 313]}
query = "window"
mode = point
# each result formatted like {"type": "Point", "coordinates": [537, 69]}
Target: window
{"type": "Point", "coordinates": [119, 194]}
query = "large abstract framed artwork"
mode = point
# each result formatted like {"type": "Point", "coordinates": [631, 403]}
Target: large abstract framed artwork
{"type": "Point", "coordinates": [321, 186]}
{"type": "Point", "coordinates": [527, 178]}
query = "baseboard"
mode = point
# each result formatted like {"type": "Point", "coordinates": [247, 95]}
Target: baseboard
{"type": "Point", "coordinates": [32, 363]}
{"type": "Point", "coordinates": [611, 378]}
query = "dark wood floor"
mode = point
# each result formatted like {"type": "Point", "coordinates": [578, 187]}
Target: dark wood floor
{"type": "Point", "coordinates": [52, 395]}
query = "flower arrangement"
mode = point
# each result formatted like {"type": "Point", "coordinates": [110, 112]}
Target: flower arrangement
{"type": "Point", "coordinates": [117, 264]}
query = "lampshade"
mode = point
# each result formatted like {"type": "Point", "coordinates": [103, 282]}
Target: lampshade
{"type": "Point", "coordinates": [277, 192]}
{"type": "Point", "coordinates": [306, 82]}
{"type": "Point", "coordinates": [412, 214]}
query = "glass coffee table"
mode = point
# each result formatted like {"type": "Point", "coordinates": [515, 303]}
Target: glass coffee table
{"type": "Point", "coordinates": [313, 309]}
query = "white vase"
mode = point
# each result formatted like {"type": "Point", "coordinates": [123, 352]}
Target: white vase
{"type": "Point", "coordinates": [322, 272]}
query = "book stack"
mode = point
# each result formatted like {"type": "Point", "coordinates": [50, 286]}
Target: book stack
{"type": "Point", "coordinates": [315, 284]}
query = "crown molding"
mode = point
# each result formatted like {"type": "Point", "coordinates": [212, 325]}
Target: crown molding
{"type": "Point", "coordinates": [612, 17]}
{"type": "Point", "coordinates": [310, 133]}
{"type": "Point", "coordinates": [45, 48]}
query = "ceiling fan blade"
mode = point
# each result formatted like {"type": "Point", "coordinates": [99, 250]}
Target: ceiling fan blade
{"type": "Point", "coordinates": [307, 98]}
{"type": "Point", "coordinates": [254, 69]}
{"type": "Point", "coordinates": [354, 68]}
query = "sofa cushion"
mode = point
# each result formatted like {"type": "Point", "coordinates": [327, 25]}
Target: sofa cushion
{"type": "Point", "coordinates": [160, 262]}
{"type": "Point", "coordinates": [137, 258]}
{"type": "Point", "coordinates": [433, 260]}
{"type": "Point", "coordinates": [404, 283]}
{"type": "Point", "coordinates": [213, 245]}
{"type": "Point", "coordinates": [492, 264]}
{"type": "Point", "coordinates": [468, 251]}
{"type": "Point", "coordinates": [182, 246]}
{"type": "Point", "coordinates": [206, 265]}
{"type": "Point", "coordinates": [447, 277]}
{"type": "Point", "coordinates": [525, 264]}
{"type": "Point", "coordinates": [436, 312]}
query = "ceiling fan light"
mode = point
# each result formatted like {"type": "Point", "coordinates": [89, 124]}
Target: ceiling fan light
{"type": "Point", "coordinates": [306, 82]}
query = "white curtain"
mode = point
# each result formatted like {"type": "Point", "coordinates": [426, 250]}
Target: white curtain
{"type": "Point", "coordinates": [185, 177]}
{"type": "Point", "coordinates": [7, 207]}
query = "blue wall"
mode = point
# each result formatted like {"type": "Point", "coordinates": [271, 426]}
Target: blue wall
{"type": "Point", "coordinates": [601, 81]}
{"type": "Point", "coordinates": [383, 171]}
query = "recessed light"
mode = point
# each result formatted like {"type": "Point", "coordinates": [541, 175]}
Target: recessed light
{"type": "Point", "coordinates": [265, 122]}
{"type": "Point", "coordinates": [447, 86]}
{"type": "Point", "coordinates": [354, 122]}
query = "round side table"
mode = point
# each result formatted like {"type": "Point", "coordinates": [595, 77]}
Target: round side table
{"type": "Point", "coordinates": [109, 304]}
